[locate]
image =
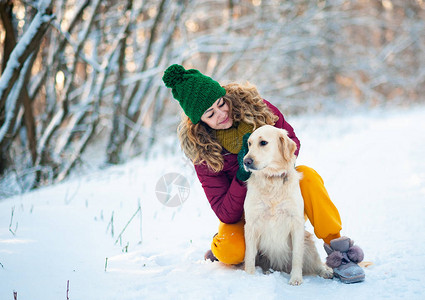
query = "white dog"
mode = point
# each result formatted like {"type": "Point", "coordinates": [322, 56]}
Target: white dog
{"type": "Point", "coordinates": [274, 209]}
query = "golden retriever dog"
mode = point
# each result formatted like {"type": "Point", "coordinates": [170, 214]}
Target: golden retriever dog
{"type": "Point", "coordinates": [274, 209]}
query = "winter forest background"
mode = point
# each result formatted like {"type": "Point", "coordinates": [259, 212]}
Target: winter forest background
{"type": "Point", "coordinates": [81, 80]}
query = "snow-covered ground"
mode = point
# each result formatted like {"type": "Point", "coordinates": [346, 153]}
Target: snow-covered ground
{"type": "Point", "coordinates": [374, 169]}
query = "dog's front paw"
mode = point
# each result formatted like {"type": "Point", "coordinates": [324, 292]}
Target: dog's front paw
{"type": "Point", "coordinates": [250, 269]}
{"type": "Point", "coordinates": [296, 277]}
{"type": "Point", "coordinates": [296, 280]}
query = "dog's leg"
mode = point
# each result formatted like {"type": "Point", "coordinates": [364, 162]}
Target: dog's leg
{"type": "Point", "coordinates": [312, 263]}
{"type": "Point", "coordinates": [320, 268]}
{"type": "Point", "coordinates": [251, 249]}
{"type": "Point", "coordinates": [297, 236]}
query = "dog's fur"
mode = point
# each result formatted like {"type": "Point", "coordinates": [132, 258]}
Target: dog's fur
{"type": "Point", "coordinates": [274, 209]}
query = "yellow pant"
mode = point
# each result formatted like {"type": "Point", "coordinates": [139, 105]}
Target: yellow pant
{"type": "Point", "coordinates": [229, 243]}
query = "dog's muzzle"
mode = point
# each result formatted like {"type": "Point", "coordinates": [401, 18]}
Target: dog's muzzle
{"type": "Point", "coordinates": [249, 163]}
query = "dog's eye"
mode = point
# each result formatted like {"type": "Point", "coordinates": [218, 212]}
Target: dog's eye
{"type": "Point", "coordinates": [249, 144]}
{"type": "Point", "coordinates": [263, 143]}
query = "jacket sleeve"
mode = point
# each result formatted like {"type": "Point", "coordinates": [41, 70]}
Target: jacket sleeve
{"type": "Point", "coordinates": [226, 196]}
{"type": "Point", "coordinates": [281, 123]}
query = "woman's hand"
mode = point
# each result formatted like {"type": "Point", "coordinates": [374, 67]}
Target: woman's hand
{"type": "Point", "coordinates": [241, 174]}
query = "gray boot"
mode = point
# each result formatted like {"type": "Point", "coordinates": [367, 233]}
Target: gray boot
{"type": "Point", "coordinates": [210, 256]}
{"type": "Point", "coordinates": [343, 258]}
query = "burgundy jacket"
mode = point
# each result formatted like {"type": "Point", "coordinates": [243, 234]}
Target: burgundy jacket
{"type": "Point", "coordinates": [224, 191]}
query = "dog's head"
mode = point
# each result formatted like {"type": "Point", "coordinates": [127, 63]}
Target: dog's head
{"type": "Point", "coordinates": [271, 151]}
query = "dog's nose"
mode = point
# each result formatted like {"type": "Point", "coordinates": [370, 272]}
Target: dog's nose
{"type": "Point", "coordinates": [248, 162]}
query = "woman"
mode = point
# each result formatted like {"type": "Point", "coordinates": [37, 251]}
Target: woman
{"type": "Point", "coordinates": [211, 134]}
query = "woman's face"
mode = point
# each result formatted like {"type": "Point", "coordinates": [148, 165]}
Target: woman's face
{"type": "Point", "coordinates": [217, 116]}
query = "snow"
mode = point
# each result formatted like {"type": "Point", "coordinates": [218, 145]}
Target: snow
{"type": "Point", "coordinates": [373, 167]}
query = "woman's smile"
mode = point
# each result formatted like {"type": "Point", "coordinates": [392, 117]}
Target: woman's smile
{"type": "Point", "coordinates": [225, 120]}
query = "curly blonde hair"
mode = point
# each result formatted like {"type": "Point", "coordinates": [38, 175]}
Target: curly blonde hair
{"type": "Point", "coordinates": [198, 141]}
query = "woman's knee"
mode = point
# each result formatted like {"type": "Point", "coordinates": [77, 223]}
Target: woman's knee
{"type": "Point", "coordinates": [228, 245]}
{"type": "Point", "coordinates": [309, 174]}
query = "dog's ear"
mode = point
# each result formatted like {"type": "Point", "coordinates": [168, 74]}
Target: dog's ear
{"type": "Point", "coordinates": [287, 146]}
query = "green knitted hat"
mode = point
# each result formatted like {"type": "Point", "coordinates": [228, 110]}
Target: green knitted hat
{"type": "Point", "coordinates": [194, 91]}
